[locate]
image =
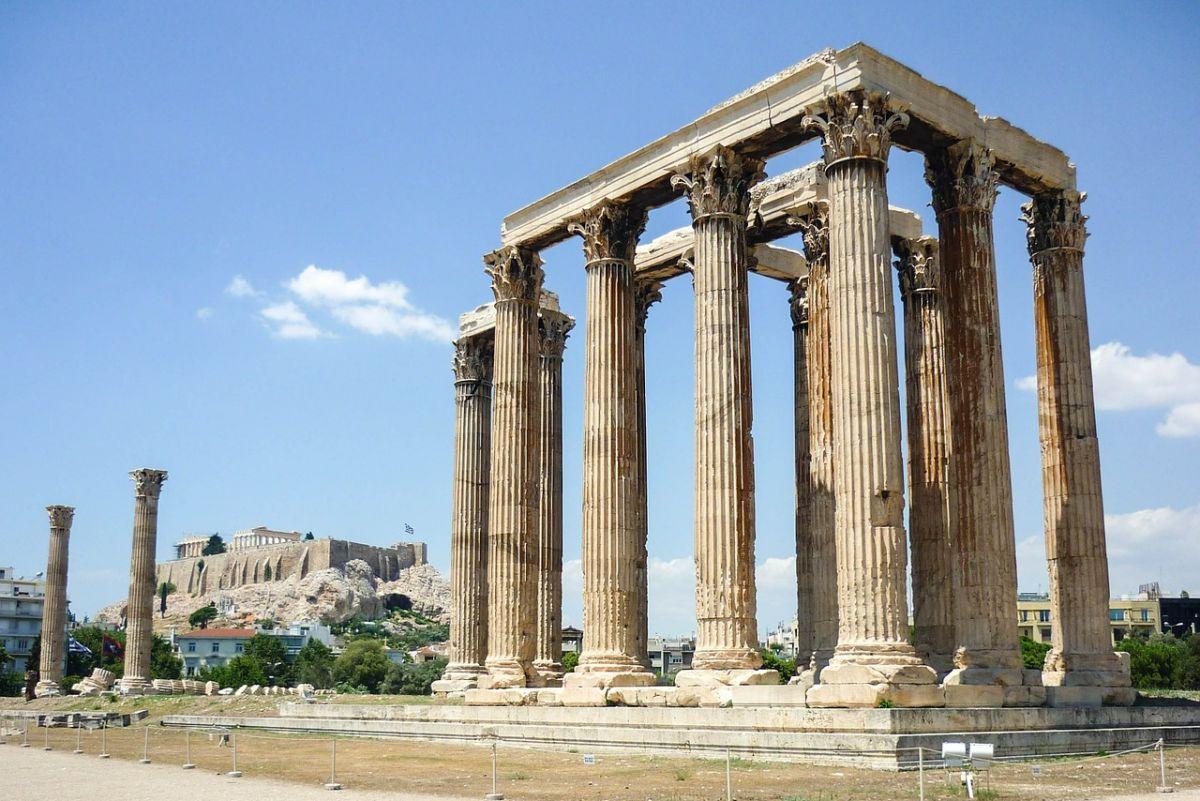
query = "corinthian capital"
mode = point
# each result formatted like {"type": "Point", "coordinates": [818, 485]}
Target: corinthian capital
{"type": "Point", "coordinates": [554, 327]}
{"type": "Point", "coordinates": [1055, 220]}
{"type": "Point", "coordinates": [147, 481]}
{"type": "Point", "coordinates": [516, 273]}
{"type": "Point", "coordinates": [610, 230]}
{"type": "Point", "coordinates": [855, 125]}
{"type": "Point", "coordinates": [798, 302]}
{"type": "Point", "coordinates": [646, 293]}
{"type": "Point", "coordinates": [61, 516]}
{"type": "Point", "coordinates": [814, 229]}
{"type": "Point", "coordinates": [473, 358]}
{"type": "Point", "coordinates": [917, 265]}
{"type": "Point", "coordinates": [719, 182]}
{"type": "Point", "coordinates": [962, 176]}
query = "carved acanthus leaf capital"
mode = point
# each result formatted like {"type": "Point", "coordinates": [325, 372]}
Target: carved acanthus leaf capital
{"type": "Point", "coordinates": [917, 265]}
{"type": "Point", "coordinates": [719, 182]}
{"type": "Point", "coordinates": [516, 273]}
{"type": "Point", "coordinates": [855, 125]}
{"type": "Point", "coordinates": [798, 302]}
{"type": "Point", "coordinates": [473, 358]}
{"type": "Point", "coordinates": [554, 328]}
{"type": "Point", "coordinates": [646, 293]}
{"type": "Point", "coordinates": [814, 229]}
{"type": "Point", "coordinates": [148, 481]}
{"type": "Point", "coordinates": [61, 516]}
{"type": "Point", "coordinates": [610, 230]}
{"type": "Point", "coordinates": [1055, 220]}
{"type": "Point", "coordinates": [962, 176]}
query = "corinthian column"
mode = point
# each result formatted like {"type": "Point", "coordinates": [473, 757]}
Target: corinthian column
{"type": "Point", "coordinates": [718, 190]}
{"type": "Point", "coordinates": [139, 610]}
{"type": "Point", "coordinates": [873, 661]}
{"type": "Point", "coordinates": [469, 520]}
{"type": "Point", "coordinates": [928, 452]}
{"type": "Point", "coordinates": [547, 658]}
{"type": "Point", "coordinates": [515, 465]}
{"type": "Point", "coordinates": [54, 609]}
{"type": "Point", "coordinates": [1081, 667]}
{"type": "Point", "coordinates": [988, 658]}
{"type": "Point", "coordinates": [646, 294]}
{"type": "Point", "coordinates": [611, 547]}
{"type": "Point", "coordinates": [798, 305]}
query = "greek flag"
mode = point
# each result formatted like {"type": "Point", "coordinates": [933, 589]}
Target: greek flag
{"type": "Point", "coordinates": [74, 646]}
{"type": "Point", "coordinates": [409, 529]}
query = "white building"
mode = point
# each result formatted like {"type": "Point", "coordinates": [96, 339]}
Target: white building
{"type": "Point", "coordinates": [21, 601]}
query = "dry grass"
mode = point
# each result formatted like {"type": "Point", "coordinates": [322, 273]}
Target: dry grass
{"type": "Point", "coordinates": [465, 770]}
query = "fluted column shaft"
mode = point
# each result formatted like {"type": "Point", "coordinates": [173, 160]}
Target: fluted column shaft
{"type": "Point", "coordinates": [611, 513]}
{"type": "Point", "coordinates": [469, 524]}
{"type": "Point", "coordinates": [1072, 498]}
{"type": "Point", "coordinates": [805, 586]}
{"type": "Point", "coordinates": [929, 450]}
{"type": "Point", "coordinates": [548, 648]}
{"type": "Point", "coordinates": [140, 605]}
{"type": "Point", "coordinates": [964, 191]}
{"type": "Point", "coordinates": [515, 466]}
{"type": "Point", "coordinates": [646, 293]}
{"type": "Point", "coordinates": [54, 608]}
{"type": "Point", "coordinates": [718, 194]}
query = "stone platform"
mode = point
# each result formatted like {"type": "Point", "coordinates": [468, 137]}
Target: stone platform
{"type": "Point", "coordinates": [875, 738]}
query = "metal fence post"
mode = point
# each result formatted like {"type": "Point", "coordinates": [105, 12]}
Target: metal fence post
{"type": "Point", "coordinates": [235, 773]}
{"type": "Point", "coordinates": [103, 739]}
{"type": "Point", "coordinates": [25, 736]}
{"type": "Point", "coordinates": [495, 794]}
{"type": "Point", "coordinates": [1163, 787]}
{"type": "Point", "coordinates": [921, 769]}
{"type": "Point", "coordinates": [145, 760]}
{"type": "Point", "coordinates": [332, 784]}
{"type": "Point", "coordinates": [728, 777]}
{"type": "Point", "coordinates": [78, 736]}
{"type": "Point", "coordinates": [46, 736]}
{"type": "Point", "coordinates": [187, 750]}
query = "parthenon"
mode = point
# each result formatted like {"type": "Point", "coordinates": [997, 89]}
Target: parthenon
{"type": "Point", "coordinates": [852, 538]}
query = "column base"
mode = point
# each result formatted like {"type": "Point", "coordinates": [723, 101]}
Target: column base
{"type": "Point", "coordinates": [46, 689]}
{"type": "Point", "coordinates": [508, 674]}
{"type": "Point", "coordinates": [892, 678]}
{"type": "Point", "coordinates": [583, 679]}
{"type": "Point", "coordinates": [736, 677]}
{"type": "Point", "coordinates": [457, 679]}
{"type": "Point", "coordinates": [994, 687]}
{"type": "Point", "coordinates": [134, 686]}
{"type": "Point", "coordinates": [551, 672]}
{"type": "Point", "coordinates": [1085, 680]}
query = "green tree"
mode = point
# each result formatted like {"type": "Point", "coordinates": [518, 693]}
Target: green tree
{"type": "Point", "coordinates": [271, 656]}
{"type": "Point", "coordinates": [412, 679]}
{"type": "Point", "coordinates": [570, 661]}
{"type": "Point", "coordinates": [243, 670]}
{"type": "Point", "coordinates": [1190, 674]}
{"type": "Point", "coordinates": [202, 617]}
{"type": "Point", "coordinates": [308, 536]}
{"type": "Point", "coordinates": [164, 589]}
{"type": "Point", "coordinates": [1155, 663]}
{"type": "Point", "coordinates": [314, 665]}
{"type": "Point", "coordinates": [164, 664]}
{"type": "Point", "coordinates": [214, 546]}
{"type": "Point", "coordinates": [771, 660]}
{"type": "Point", "coordinates": [363, 664]}
{"type": "Point", "coordinates": [267, 573]}
{"type": "Point", "coordinates": [1033, 653]}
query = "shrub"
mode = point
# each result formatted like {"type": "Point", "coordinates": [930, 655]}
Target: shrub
{"type": "Point", "coordinates": [1033, 653]}
{"type": "Point", "coordinates": [570, 661]}
{"type": "Point", "coordinates": [364, 664]}
{"type": "Point", "coordinates": [412, 679]}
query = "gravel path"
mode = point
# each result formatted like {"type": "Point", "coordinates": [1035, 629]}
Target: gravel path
{"type": "Point", "coordinates": [31, 774]}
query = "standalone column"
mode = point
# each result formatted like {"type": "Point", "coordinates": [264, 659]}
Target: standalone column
{"type": "Point", "coordinates": [139, 610]}
{"type": "Point", "coordinates": [548, 648]}
{"type": "Point", "coordinates": [989, 657]}
{"type": "Point", "coordinates": [1081, 667]}
{"type": "Point", "coordinates": [513, 504]}
{"type": "Point", "coordinates": [873, 661]}
{"type": "Point", "coordinates": [611, 547]}
{"type": "Point", "coordinates": [646, 294]}
{"type": "Point", "coordinates": [815, 228]}
{"type": "Point", "coordinates": [718, 188]}
{"type": "Point", "coordinates": [469, 519]}
{"type": "Point", "coordinates": [929, 511]}
{"type": "Point", "coordinates": [54, 610]}
{"type": "Point", "coordinates": [798, 304]}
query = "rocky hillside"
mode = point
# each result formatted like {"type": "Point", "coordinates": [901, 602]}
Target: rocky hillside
{"type": "Point", "coordinates": [333, 595]}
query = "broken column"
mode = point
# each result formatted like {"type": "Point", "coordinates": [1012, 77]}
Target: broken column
{"type": "Point", "coordinates": [873, 661]}
{"type": "Point", "coordinates": [54, 608]}
{"type": "Point", "coordinates": [139, 610]}
{"type": "Point", "coordinates": [1081, 668]}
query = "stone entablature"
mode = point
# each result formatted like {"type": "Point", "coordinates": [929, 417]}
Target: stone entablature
{"type": "Point", "coordinates": [203, 574]}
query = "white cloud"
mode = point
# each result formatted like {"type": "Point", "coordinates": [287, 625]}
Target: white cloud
{"type": "Point", "coordinates": [204, 313]}
{"type": "Point", "coordinates": [381, 309]}
{"type": "Point", "coordinates": [239, 287]}
{"type": "Point", "coordinates": [1124, 381]}
{"type": "Point", "coordinates": [380, 320]}
{"type": "Point", "coordinates": [1151, 545]}
{"type": "Point", "coordinates": [288, 321]}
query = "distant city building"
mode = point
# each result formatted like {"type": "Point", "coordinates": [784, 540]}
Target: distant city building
{"type": "Point", "coordinates": [1127, 617]}
{"type": "Point", "coordinates": [210, 647]}
{"type": "Point", "coordinates": [297, 635]}
{"type": "Point", "coordinates": [669, 655]}
{"type": "Point", "coordinates": [21, 601]}
{"type": "Point", "coordinates": [572, 640]}
{"type": "Point", "coordinates": [1180, 616]}
{"type": "Point", "coordinates": [784, 638]}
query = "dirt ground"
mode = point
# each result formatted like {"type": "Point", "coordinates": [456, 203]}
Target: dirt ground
{"type": "Point", "coordinates": [447, 772]}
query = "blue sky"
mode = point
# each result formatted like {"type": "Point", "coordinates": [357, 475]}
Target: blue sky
{"type": "Point", "coordinates": [150, 155]}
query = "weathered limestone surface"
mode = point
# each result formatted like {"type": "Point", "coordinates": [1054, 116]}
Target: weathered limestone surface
{"type": "Point", "coordinates": [963, 180]}
{"type": "Point", "coordinates": [646, 293]}
{"type": "Point", "coordinates": [717, 185]}
{"type": "Point", "coordinates": [613, 539]}
{"type": "Point", "coordinates": [1081, 654]}
{"type": "Point", "coordinates": [469, 525]}
{"type": "Point", "coordinates": [798, 306]}
{"type": "Point", "coordinates": [515, 466]}
{"type": "Point", "coordinates": [54, 608]}
{"type": "Point", "coordinates": [929, 452]}
{"type": "Point", "coordinates": [547, 657]}
{"type": "Point", "coordinates": [138, 632]}
{"type": "Point", "coordinates": [873, 661]}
